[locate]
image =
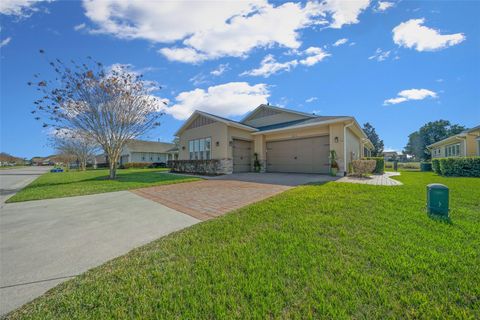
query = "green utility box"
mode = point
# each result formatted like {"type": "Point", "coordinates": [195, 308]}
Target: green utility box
{"type": "Point", "coordinates": [425, 166]}
{"type": "Point", "coordinates": [437, 199]}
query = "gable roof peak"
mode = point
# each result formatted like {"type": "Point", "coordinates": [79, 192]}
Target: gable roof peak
{"type": "Point", "coordinates": [269, 106]}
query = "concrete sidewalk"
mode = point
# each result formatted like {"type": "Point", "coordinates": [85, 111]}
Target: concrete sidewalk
{"type": "Point", "coordinates": [46, 242]}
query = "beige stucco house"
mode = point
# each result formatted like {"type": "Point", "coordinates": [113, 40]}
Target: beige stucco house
{"type": "Point", "coordinates": [465, 144]}
{"type": "Point", "coordinates": [283, 140]}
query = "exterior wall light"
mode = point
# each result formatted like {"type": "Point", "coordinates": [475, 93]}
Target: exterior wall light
{"type": "Point", "coordinates": [336, 139]}
{"type": "Point", "coordinates": [183, 148]}
{"type": "Point", "coordinates": [217, 143]}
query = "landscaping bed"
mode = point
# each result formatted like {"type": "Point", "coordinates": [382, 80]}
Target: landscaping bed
{"type": "Point", "coordinates": [76, 183]}
{"type": "Point", "coordinates": [333, 250]}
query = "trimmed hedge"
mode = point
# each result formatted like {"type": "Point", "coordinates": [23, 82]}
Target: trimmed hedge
{"type": "Point", "coordinates": [379, 165]}
{"type": "Point", "coordinates": [436, 166]}
{"type": "Point", "coordinates": [458, 167]}
{"type": "Point", "coordinates": [136, 165]}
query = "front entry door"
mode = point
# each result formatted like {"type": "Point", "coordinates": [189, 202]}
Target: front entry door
{"type": "Point", "coordinates": [242, 155]}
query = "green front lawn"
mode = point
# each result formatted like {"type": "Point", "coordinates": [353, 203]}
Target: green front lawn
{"type": "Point", "coordinates": [331, 251]}
{"type": "Point", "coordinates": [76, 183]}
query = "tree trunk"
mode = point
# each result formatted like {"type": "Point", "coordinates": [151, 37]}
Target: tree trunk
{"type": "Point", "coordinates": [113, 169]}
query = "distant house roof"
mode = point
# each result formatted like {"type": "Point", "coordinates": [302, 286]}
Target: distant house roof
{"type": "Point", "coordinates": [174, 149]}
{"type": "Point", "coordinates": [149, 146]}
{"type": "Point", "coordinates": [461, 135]}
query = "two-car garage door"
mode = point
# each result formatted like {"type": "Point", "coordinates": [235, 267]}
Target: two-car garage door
{"type": "Point", "coordinates": [308, 155]}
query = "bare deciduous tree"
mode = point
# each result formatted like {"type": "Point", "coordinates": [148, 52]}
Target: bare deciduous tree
{"type": "Point", "coordinates": [82, 147]}
{"type": "Point", "coordinates": [109, 106]}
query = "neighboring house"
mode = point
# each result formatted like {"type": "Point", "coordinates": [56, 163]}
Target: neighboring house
{"type": "Point", "coordinates": [464, 144]}
{"type": "Point", "coordinates": [147, 152]}
{"type": "Point", "coordinates": [43, 161]}
{"type": "Point", "coordinates": [390, 155]}
{"type": "Point", "coordinates": [283, 140]}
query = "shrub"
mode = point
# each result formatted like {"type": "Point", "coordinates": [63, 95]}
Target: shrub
{"type": "Point", "coordinates": [363, 167]}
{"type": "Point", "coordinates": [136, 165]}
{"type": "Point", "coordinates": [436, 166]}
{"type": "Point", "coordinates": [460, 167]}
{"type": "Point", "coordinates": [158, 165]}
{"type": "Point", "coordinates": [379, 164]}
{"type": "Point", "coordinates": [410, 165]}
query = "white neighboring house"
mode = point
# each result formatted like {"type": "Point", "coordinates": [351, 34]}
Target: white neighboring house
{"type": "Point", "coordinates": [147, 152]}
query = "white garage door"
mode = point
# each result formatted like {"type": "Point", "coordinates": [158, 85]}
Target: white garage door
{"type": "Point", "coordinates": [308, 155]}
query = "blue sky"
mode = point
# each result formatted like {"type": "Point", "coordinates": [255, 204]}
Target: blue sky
{"type": "Point", "coordinates": [395, 64]}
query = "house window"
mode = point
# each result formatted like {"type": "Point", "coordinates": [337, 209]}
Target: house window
{"type": "Point", "coordinates": [190, 149]}
{"type": "Point", "coordinates": [143, 156]}
{"type": "Point", "coordinates": [199, 149]}
{"type": "Point", "coordinates": [452, 150]}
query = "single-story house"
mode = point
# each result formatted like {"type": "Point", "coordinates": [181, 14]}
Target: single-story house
{"type": "Point", "coordinates": [282, 140]}
{"type": "Point", "coordinates": [147, 152]}
{"type": "Point", "coordinates": [389, 155]}
{"type": "Point", "coordinates": [464, 144]}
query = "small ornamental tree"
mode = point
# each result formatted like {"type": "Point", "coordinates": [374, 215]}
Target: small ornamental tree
{"type": "Point", "coordinates": [109, 106]}
{"type": "Point", "coordinates": [82, 147]}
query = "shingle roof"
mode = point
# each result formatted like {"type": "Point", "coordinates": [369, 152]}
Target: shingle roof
{"type": "Point", "coordinates": [149, 146]}
{"type": "Point", "coordinates": [316, 119]}
{"type": "Point", "coordinates": [461, 134]}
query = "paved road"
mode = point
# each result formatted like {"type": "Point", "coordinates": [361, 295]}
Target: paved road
{"type": "Point", "coordinates": [46, 242]}
{"type": "Point", "coordinates": [13, 180]}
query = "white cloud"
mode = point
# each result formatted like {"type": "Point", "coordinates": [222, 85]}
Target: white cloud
{"type": "Point", "coordinates": [197, 30]}
{"type": "Point", "coordinates": [380, 55]}
{"type": "Point", "coordinates": [5, 41]}
{"type": "Point", "coordinates": [21, 8]}
{"type": "Point", "coordinates": [79, 26]}
{"type": "Point", "coordinates": [226, 100]}
{"type": "Point", "coordinates": [411, 94]}
{"type": "Point", "coordinates": [199, 79]}
{"type": "Point", "coordinates": [345, 12]}
{"type": "Point", "coordinates": [311, 99]}
{"type": "Point", "coordinates": [187, 55]}
{"type": "Point", "coordinates": [314, 56]}
{"type": "Point", "coordinates": [412, 34]}
{"type": "Point", "coordinates": [384, 6]}
{"type": "Point", "coordinates": [269, 65]}
{"type": "Point", "coordinates": [339, 42]}
{"type": "Point", "coordinates": [220, 70]}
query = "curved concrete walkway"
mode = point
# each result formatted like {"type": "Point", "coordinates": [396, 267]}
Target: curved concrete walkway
{"type": "Point", "coordinates": [46, 242]}
{"type": "Point", "coordinates": [377, 180]}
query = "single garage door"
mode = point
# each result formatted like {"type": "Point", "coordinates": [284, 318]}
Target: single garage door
{"type": "Point", "coordinates": [242, 155]}
{"type": "Point", "coordinates": [309, 155]}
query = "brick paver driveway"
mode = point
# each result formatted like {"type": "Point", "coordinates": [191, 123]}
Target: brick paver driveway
{"type": "Point", "coordinates": [216, 196]}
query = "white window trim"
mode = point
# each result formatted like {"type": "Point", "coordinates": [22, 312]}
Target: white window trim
{"type": "Point", "coordinates": [201, 153]}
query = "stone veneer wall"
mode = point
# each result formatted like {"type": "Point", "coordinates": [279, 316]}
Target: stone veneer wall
{"type": "Point", "coordinates": [206, 167]}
